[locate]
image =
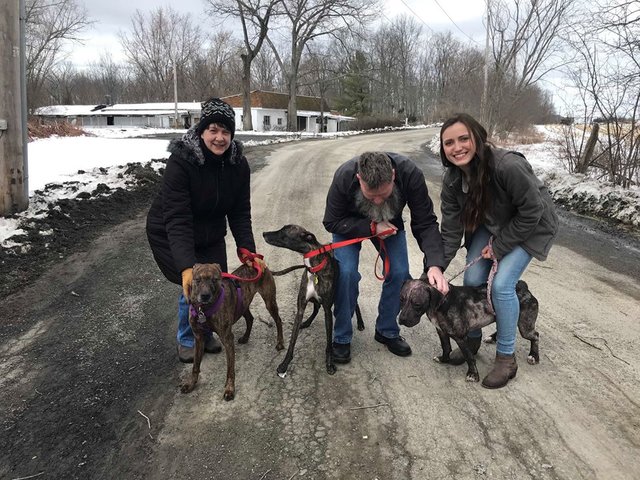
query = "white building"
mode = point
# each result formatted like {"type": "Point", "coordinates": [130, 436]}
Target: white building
{"type": "Point", "coordinates": [268, 113]}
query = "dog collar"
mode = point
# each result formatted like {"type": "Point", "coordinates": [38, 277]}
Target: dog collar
{"type": "Point", "coordinates": [212, 310]}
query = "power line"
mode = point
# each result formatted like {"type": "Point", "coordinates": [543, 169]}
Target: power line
{"type": "Point", "coordinates": [456, 25]}
{"type": "Point", "coordinates": [418, 16]}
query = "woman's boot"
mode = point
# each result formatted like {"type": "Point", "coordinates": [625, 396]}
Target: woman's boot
{"type": "Point", "coordinates": [504, 369]}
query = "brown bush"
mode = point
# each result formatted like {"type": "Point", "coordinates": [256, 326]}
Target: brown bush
{"type": "Point", "coordinates": [40, 129]}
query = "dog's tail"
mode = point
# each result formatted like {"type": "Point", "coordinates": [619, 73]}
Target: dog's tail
{"type": "Point", "coordinates": [286, 270]}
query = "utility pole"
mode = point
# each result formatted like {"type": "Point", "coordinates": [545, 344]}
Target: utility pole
{"type": "Point", "coordinates": [484, 102]}
{"type": "Point", "coordinates": [14, 190]}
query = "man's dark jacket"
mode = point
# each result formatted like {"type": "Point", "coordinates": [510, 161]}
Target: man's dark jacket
{"type": "Point", "coordinates": [200, 192]}
{"type": "Point", "coordinates": [341, 215]}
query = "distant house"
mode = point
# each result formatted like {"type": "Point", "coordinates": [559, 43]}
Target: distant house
{"type": "Point", "coordinates": [269, 112]}
{"type": "Point", "coordinates": [157, 115]}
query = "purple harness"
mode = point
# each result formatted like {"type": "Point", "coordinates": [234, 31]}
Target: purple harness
{"type": "Point", "coordinates": [215, 306]}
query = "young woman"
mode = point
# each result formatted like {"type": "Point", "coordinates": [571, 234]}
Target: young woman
{"type": "Point", "coordinates": [205, 185]}
{"type": "Point", "coordinates": [490, 192]}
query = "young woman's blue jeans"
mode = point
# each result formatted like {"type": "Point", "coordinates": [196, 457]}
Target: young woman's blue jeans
{"type": "Point", "coordinates": [503, 292]}
{"type": "Point", "coordinates": [346, 296]}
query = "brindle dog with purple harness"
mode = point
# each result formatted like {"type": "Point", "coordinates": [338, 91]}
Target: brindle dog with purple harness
{"type": "Point", "coordinates": [216, 304]}
{"type": "Point", "coordinates": [464, 309]}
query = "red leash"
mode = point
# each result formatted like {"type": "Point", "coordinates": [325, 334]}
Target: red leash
{"type": "Point", "coordinates": [243, 256]}
{"type": "Point", "coordinates": [333, 246]}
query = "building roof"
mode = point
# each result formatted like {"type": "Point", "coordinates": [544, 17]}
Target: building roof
{"type": "Point", "coordinates": [277, 100]}
{"type": "Point", "coordinates": [118, 109]}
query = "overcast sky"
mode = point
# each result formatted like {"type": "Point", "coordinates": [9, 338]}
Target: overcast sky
{"type": "Point", "coordinates": [113, 16]}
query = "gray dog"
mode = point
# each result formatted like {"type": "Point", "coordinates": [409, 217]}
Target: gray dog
{"type": "Point", "coordinates": [464, 309]}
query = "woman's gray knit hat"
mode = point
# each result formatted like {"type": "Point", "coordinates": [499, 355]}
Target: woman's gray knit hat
{"type": "Point", "coordinates": [215, 110]}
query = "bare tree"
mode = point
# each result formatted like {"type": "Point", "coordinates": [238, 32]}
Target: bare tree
{"type": "Point", "coordinates": [49, 25]}
{"type": "Point", "coordinates": [526, 39]}
{"type": "Point", "coordinates": [212, 71]}
{"type": "Point", "coordinates": [156, 43]}
{"type": "Point", "coordinates": [266, 73]}
{"type": "Point", "coordinates": [308, 20]}
{"type": "Point", "coordinates": [608, 79]}
{"type": "Point", "coordinates": [254, 16]}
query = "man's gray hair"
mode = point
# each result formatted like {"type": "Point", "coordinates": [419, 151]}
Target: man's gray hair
{"type": "Point", "coordinates": [375, 169]}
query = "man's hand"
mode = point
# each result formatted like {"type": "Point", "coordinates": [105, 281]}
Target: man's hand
{"type": "Point", "coordinates": [436, 279]}
{"type": "Point", "coordinates": [187, 277]}
{"type": "Point", "coordinates": [383, 227]}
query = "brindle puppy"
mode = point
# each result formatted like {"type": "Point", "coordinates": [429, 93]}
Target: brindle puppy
{"type": "Point", "coordinates": [461, 310]}
{"type": "Point", "coordinates": [216, 304]}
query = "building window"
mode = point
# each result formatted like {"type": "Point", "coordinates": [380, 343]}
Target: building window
{"type": "Point", "coordinates": [279, 121]}
{"type": "Point", "coordinates": [266, 121]}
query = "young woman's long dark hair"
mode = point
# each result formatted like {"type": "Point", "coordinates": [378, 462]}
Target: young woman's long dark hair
{"type": "Point", "coordinates": [478, 199]}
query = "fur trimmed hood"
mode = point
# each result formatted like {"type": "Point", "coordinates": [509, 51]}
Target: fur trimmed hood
{"type": "Point", "coordinates": [188, 147]}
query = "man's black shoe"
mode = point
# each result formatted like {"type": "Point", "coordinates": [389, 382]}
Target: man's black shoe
{"type": "Point", "coordinates": [341, 352]}
{"type": "Point", "coordinates": [396, 345]}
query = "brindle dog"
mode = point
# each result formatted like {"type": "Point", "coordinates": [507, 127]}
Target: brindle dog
{"type": "Point", "coordinates": [464, 309]}
{"type": "Point", "coordinates": [317, 288]}
{"type": "Point", "coordinates": [216, 304]}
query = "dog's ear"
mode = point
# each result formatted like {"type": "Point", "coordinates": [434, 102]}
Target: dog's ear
{"type": "Point", "coordinates": [309, 237]}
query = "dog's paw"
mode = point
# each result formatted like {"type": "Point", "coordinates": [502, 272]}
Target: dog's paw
{"type": "Point", "coordinates": [229, 395]}
{"type": "Point", "coordinates": [243, 339]}
{"type": "Point", "coordinates": [279, 346]}
{"type": "Point", "coordinates": [531, 360]}
{"type": "Point", "coordinates": [306, 324]}
{"type": "Point", "coordinates": [331, 369]}
{"type": "Point", "coordinates": [473, 377]}
{"type": "Point", "coordinates": [187, 387]}
{"type": "Point", "coordinates": [491, 338]}
{"type": "Point", "coordinates": [441, 359]}
{"type": "Point", "coordinates": [282, 370]}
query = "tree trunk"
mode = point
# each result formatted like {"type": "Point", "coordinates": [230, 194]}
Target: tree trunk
{"type": "Point", "coordinates": [247, 123]}
{"type": "Point", "coordinates": [292, 110]}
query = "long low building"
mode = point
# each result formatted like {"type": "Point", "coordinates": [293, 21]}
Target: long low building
{"type": "Point", "coordinates": [268, 113]}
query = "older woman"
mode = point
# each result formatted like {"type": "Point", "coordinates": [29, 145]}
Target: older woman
{"type": "Point", "coordinates": [490, 192]}
{"type": "Point", "coordinates": [205, 185]}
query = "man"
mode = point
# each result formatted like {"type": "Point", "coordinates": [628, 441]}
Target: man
{"type": "Point", "coordinates": [366, 197]}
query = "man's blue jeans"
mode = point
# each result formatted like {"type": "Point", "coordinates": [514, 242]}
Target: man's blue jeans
{"type": "Point", "coordinates": [503, 291]}
{"type": "Point", "coordinates": [346, 296]}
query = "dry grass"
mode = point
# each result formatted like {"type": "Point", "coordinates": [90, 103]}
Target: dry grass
{"type": "Point", "coordinates": [37, 129]}
{"type": "Point", "coordinates": [526, 136]}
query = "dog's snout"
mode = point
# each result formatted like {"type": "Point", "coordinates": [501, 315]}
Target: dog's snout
{"type": "Point", "coordinates": [205, 297]}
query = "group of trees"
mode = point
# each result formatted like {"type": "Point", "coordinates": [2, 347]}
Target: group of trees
{"type": "Point", "coordinates": [394, 69]}
{"type": "Point", "coordinates": [328, 48]}
{"type": "Point", "coordinates": [605, 73]}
